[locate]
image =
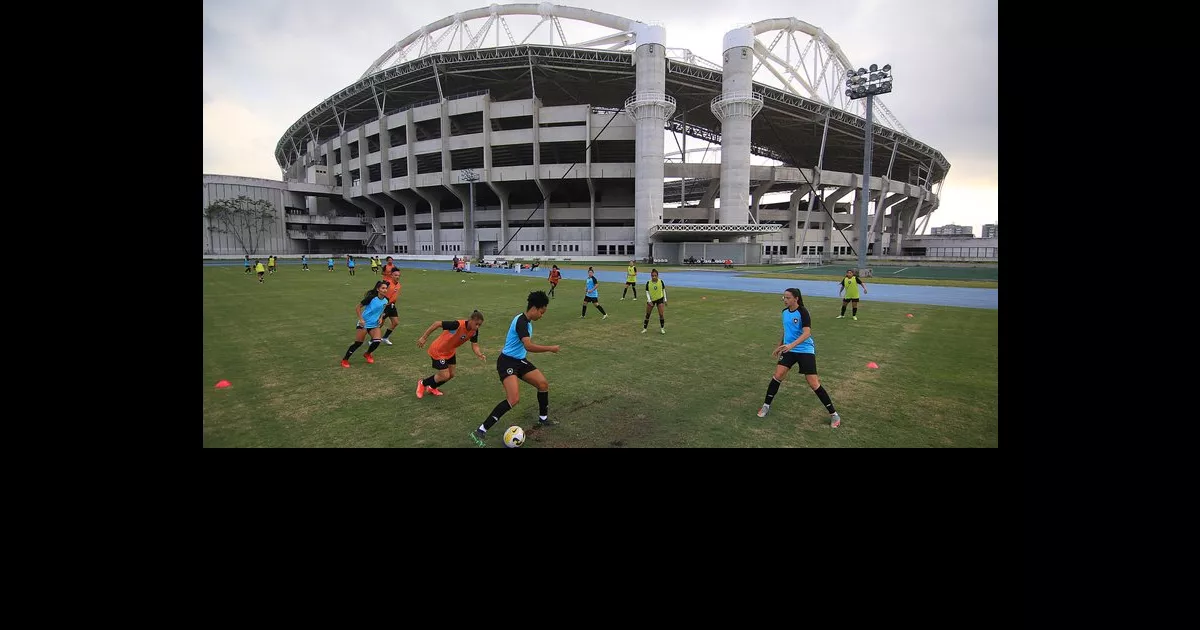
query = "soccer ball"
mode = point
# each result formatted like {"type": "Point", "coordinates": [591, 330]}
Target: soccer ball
{"type": "Point", "coordinates": [514, 437]}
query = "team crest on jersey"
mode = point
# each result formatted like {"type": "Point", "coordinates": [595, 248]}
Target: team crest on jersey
{"type": "Point", "coordinates": [796, 320]}
{"type": "Point", "coordinates": [463, 337]}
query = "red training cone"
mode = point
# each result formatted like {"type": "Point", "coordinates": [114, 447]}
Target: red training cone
{"type": "Point", "coordinates": [909, 315]}
{"type": "Point", "coordinates": [222, 384]}
{"type": "Point", "coordinates": [873, 365]}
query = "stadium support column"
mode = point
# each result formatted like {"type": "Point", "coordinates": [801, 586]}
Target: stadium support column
{"type": "Point", "coordinates": [649, 107]}
{"type": "Point", "coordinates": [735, 108]}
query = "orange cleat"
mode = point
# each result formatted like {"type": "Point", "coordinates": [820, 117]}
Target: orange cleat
{"type": "Point", "coordinates": [345, 363]}
{"type": "Point", "coordinates": [369, 358]}
{"type": "Point", "coordinates": [420, 389]}
{"type": "Point", "coordinates": [434, 391]}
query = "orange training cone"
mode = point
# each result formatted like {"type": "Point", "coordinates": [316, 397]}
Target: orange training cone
{"type": "Point", "coordinates": [873, 365]}
{"type": "Point", "coordinates": [222, 384]}
{"type": "Point", "coordinates": [909, 315]}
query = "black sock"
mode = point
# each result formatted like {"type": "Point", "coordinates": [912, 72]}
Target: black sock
{"type": "Point", "coordinates": [662, 323]}
{"type": "Point", "coordinates": [854, 312]}
{"type": "Point", "coordinates": [645, 322]}
{"type": "Point", "coordinates": [601, 309]}
{"type": "Point", "coordinates": [543, 402]}
{"type": "Point", "coordinates": [624, 291]}
{"type": "Point", "coordinates": [497, 413]}
{"type": "Point", "coordinates": [584, 312]}
{"type": "Point", "coordinates": [374, 344]}
{"type": "Point", "coordinates": [843, 309]}
{"type": "Point", "coordinates": [431, 381]}
{"type": "Point", "coordinates": [349, 351]}
{"type": "Point", "coordinates": [772, 389]}
{"type": "Point", "coordinates": [820, 392]}
{"type": "Point", "coordinates": [388, 333]}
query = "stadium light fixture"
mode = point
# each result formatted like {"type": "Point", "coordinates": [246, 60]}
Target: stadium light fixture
{"type": "Point", "coordinates": [868, 85]}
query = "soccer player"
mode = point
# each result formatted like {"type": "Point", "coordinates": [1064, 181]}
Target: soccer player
{"type": "Point", "coordinates": [511, 365]}
{"type": "Point", "coordinates": [630, 281]}
{"type": "Point", "coordinates": [271, 263]}
{"type": "Point", "coordinates": [555, 276]}
{"type": "Point", "coordinates": [304, 261]}
{"type": "Point", "coordinates": [247, 263]}
{"type": "Point", "coordinates": [443, 349]}
{"type": "Point", "coordinates": [375, 265]}
{"type": "Point", "coordinates": [592, 295]}
{"type": "Point", "coordinates": [387, 268]}
{"type": "Point", "coordinates": [330, 263]}
{"type": "Point", "coordinates": [656, 295]}
{"type": "Point", "coordinates": [350, 263]}
{"type": "Point", "coordinates": [370, 316]}
{"type": "Point", "coordinates": [258, 268]}
{"type": "Point", "coordinates": [797, 348]}
{"type": "Point", "coordinates": [389, 311]}
{"type": "Point", "coordinates": [850, 284]}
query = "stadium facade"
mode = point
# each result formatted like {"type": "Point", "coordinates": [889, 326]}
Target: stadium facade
{"type": "Point", "coordinates": [560, 151]}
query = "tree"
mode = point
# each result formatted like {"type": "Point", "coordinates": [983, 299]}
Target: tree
{"type": "Point", "coordinates": [246, 219]}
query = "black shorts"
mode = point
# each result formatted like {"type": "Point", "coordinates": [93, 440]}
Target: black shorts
{"type": "Point", "coordinates": [844, 300]}
{"type": "Point", "coordinates": [390, 311]}
{"type": "Point", "coordinates": [441, 364]}
{"type": "Point", "coordinates": [507, 366]}
{"type": "Point", "coordinates": [593, 300]}
{"type": "Point", "coordinates": [658, 301]}
{"type": "Point", "coordinates": [632, 284]}
{"type": "Point", "coordinates": [806, 362]}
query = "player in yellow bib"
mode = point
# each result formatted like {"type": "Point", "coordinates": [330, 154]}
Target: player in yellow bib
{"type": "Point", "coordinates": [850, 285]}
{"type": "Point", "coordinates": [630, 280]}
{"type": "Point", "coordinates": [656, 294]}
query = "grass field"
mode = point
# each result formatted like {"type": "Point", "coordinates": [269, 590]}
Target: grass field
{"type": "Point", "coordinates": [699, 385]}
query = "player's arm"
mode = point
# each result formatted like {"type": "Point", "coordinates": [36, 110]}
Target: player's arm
{"type": "Point", "coordinates": [358, 310]}
{"type": "Point", "coordinates": [475, 346]}
{"type": "Point", "coordinates": [664, 286]}
{"type": "Point", "coordinates": [860, 283]}
{"type": "Point", "coordinates": [805, 333]}
{"type": "Point", "coordinates": [841, 287]}
{"type": "Point", "coordinates": [527, 341]}
{"type": "Point", "coordinates": [428, 331]}
{"type": "Point", "coordinates": [648, 292]}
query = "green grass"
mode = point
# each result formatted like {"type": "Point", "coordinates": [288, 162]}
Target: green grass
{"type": "Point", "coordinates": [699, 385]}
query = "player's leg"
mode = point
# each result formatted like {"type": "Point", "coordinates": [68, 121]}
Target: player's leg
{"type": "Point", "coordinates": [662, 318]}
{"type": "Point", "coordinates": [781, 370]}
{"type": "Point", "coordinates": [359, 334]}
{"type": "Point", "coordinates": [808, 366]}
{"type": "Point", "coordinates": [646, 319]}
{"type": "Point", "coordinates": [854, 307]}
{"type": "Point", "coordinates": [601, 309]}
{"type": "Point", "coordinates": [393, 322]}
{"type": "Point", "coordinates": [538, 380]}
{"type": "Point", "coordinates": [845, 301]}
{"type": "Point", "coordinates": [512, 396]}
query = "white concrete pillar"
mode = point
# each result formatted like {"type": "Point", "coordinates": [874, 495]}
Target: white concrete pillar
{"type": "Point", "coordinates": [735, 108]}
{"type": "Point", "coordinates": [649, 107]}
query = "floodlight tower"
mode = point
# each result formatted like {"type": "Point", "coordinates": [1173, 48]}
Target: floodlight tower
{"type": "Point", "coordinates": [859, 84]}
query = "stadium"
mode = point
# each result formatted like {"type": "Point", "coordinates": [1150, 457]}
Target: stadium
{"type": "Point", "coordinates": [475, 136]}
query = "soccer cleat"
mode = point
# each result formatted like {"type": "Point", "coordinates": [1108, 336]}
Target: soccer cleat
{"type": "Point", "coordinates": [622, 299]}
{"type": "Point", "coordinates": [434, 391]}
{"type": "Point", "coordinates": [369, 358]}
{"type": "Point", "coordinates": [839, 316]}
{"type": "Point", "coordinates": [420, 389]}
{"type": "Point", "coordinates": [546, 422]}
{"type": "Point", "coordinates": [387, 341]}
{"type": "Point", "coordinates": [605, 316]}
{"type": "Point", "coordinates": [477, 437]}
{"type": "Point", "coordinates": [835, 421]}
{"type": "Point", "coordinates": [643, 331]}
{"type": "Point", "coordinates": [662, 330]}
{"type": "Point", "coordinates": [345, 363]}
{"type": "Point", "coordinates": [855, 318]}
{"type": "Point", "coordinates": [762, 411]}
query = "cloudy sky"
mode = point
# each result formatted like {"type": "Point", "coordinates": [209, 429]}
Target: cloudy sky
{"type": "Point", "coordinates": [267, 62]}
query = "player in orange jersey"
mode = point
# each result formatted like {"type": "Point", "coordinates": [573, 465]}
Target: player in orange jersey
{"type": "Point", "coordinates": [454, 334]}
{"type": "Point", "coordinates": [555, 276]}
{"type": "Point", "coordinates": [389, 311]}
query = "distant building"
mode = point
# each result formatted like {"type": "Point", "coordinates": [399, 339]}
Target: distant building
{"type": "Point", "coordinates": [990, 231]}
{"type": "Point", "coordinates": [952, 230]}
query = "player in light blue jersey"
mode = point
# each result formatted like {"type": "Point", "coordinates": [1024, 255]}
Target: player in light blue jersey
{"type": "Point", "coordinates": [304, 261]}
{"type": "Point", "coordinates": [370, 317]}
{"type": "Point", "coordinates": [513, 367]}
{"type": "Point", "coordinates": [797, 348]}
{"type": "Point", "coordinates": [246, 262]}
{"type": "Point", "coordinates": [592, 295]}
{"type": "Point", "coordinates": [330, 263]}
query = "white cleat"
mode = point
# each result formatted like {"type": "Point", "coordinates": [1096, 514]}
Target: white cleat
{"type": "Point", "coordinates": [643, 331]}
{"type": "Point", "coordinates": [387, 341]}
